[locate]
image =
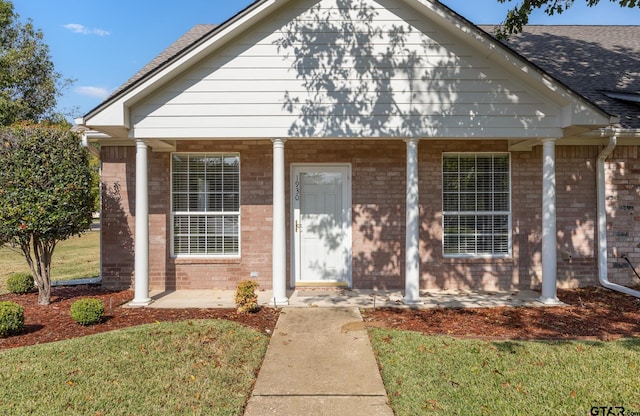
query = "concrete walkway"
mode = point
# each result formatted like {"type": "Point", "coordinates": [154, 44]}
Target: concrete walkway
{"type": "Point", "coordinates": [349, 298]}
{"type": "Point", "coordinates": [319, 362]}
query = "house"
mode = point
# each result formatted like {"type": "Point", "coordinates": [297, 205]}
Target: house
{"type": "Point", "coordinates": [373, 144]}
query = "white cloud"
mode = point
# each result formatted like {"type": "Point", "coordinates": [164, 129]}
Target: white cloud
{"type": "Point", "coordinates": [78, 28]}
{"type": "Point", "coordinates": [95, 92]}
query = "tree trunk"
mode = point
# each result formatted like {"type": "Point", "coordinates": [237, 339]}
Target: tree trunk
{"type": "Point", "coordinates": [44, 295]}
{"type": "Point", "coordinates": [41, 267]}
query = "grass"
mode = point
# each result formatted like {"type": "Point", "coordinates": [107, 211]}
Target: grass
{"type": "Point", "coordinates": [427, 375]}
{"type": "Point", "coordinates": [75, 258]}
{"type": "Point", "coordinates": [192, 367]}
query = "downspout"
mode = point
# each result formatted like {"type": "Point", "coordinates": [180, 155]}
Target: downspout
{"type": "Point", "coordinates": [602, 222]}
{"type": "Point", "coordinates": [77, 282]}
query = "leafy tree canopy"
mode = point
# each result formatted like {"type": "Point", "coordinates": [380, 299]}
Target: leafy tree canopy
{"type": "Point", "coordinates": [45, 193]}
{"type": "Point", "coordinates": [518, 17]}
{"type": "Point", "coordinates": [29, 84]}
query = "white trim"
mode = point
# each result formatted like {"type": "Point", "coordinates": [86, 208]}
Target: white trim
{"type": "Point", "coordinates": [279, 241]}
{"type": "Point", "coordinates": [412, 227]}
{"type": "Point", "coordinates": [173, 213]}
{"type": "Point", "coordinates": [141, 245]}
{"type": "Point", "coordinates": [508, 213]}
{"type": "Point", "coordinates": [346, 168]}
{"type": "Point", "coordinates": [549, 232]}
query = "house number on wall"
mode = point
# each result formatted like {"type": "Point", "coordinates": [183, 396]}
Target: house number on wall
{"type": "Point", "coordinates": [297, 188]}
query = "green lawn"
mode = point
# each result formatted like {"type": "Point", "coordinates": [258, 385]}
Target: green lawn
{"type": "Point", "coordinates": [427, 375]}
{"type": "Point", "coordinates": [208, 367]}
{"type": "Point", "coordinates": [186, 368]}
{"type": "Point", "coordinates": [75, 258]}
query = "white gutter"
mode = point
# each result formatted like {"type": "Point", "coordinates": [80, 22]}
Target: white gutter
{"type": "Point", "coordinates": [606, 133]}
{"type": "Point", "coordinates": [602, 221]}
{"type": "Point", "coordinates": [84, 140]}
{"type": "Point", "coordinates": [90, 149]}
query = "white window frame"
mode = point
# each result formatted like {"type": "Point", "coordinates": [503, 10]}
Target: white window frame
{"type": "Point", "coordinates": [204, 213]}
{"type": "Point", "coordinates": [469, 213]}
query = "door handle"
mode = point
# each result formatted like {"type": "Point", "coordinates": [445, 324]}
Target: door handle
{"type": "Point", "coordinates": [298, 226]}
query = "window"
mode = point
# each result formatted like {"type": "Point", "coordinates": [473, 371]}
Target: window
{"type": "Point", "coordinates": [205, 200]}
{"type": "Point", "coordinates": [476, 204]}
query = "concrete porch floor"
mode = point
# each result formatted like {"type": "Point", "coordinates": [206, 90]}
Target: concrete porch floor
{"type": "Point", "coordinates": [322, 297]}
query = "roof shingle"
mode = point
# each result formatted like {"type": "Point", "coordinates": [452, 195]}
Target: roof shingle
{"type": "Point", "coordinates": [591, 60]}
{"type": "Point", "coordinates": [173, 51]}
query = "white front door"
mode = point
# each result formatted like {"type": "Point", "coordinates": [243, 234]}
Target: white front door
{"type": "Point", "coordinates": [321, 224]}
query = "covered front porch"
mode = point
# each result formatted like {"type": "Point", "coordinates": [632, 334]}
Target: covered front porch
{"type": "Point", "coordinates": [411, 263]}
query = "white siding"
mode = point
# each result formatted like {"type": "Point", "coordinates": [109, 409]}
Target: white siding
{"type": "Point", "coordinates": [316, 71]}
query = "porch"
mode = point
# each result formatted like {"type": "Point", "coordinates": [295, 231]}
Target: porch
{"type": "Point", "coordinates": [323, 297]}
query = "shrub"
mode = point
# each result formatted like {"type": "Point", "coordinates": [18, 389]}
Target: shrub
{"type": "Point", "coordinates": [20, 283]}
{"type": "Point", "coordinates": [246, 297]}
{"type": "Point", "coordinates": [11, 318]}
{"type": "Point", "coordinates": [87, 311]}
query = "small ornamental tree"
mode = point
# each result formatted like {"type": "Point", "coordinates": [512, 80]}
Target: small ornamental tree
{"type": "Point", "coordinates": [45, 194]}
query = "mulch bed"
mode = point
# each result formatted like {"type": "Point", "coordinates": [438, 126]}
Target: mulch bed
{"type": "Point", "coordinates": [54, 323]}
{"type": "Point", "coordinates": [592, 313]}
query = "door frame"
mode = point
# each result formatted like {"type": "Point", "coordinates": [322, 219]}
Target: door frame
{"type": "Point", "coordinates": [295, 170]}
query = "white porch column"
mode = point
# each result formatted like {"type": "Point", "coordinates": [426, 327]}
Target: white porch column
{"type": "Point", "coordinates": [549, 235]}
{"type": "Point", "coordinates": [141, 285]}
{"type": "Point", "coordinates": [412, 239]}
{"type": "Point", "coordinates": [279, 249]}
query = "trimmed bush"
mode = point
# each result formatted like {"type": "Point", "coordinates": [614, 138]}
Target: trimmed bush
{"type": "Point", "coordinates": [20, 283]}
{"type": "Point", "coordinates": [87, 311]}
{"type": "Point", "coordinates": [11, 319]}
{"type": "Point", "coordinates": [246, 297]}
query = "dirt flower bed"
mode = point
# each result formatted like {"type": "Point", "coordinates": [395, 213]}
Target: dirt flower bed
{"type": "Point", "coordinates": [592, 313]}
{"type": "Point", "coordinates": [54, 322]}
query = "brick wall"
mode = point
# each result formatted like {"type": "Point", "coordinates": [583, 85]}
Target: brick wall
{"type": "Point", "coordinates": [255, 223]}
{"type": "Point", "coordinates": [166, 272]}
{"type": "Point", "coordinates": [378, 199]}
{"type": "Point", "coordinates": [117, 222]}
{"type": "Point", "coordinates": [378, 232]}
{"type": "Point", "coordinates": [575, 205]}
{"type": "Point", "coordinates": [622, 196]}
{"type": "Point", "coordinates": [447, 273]}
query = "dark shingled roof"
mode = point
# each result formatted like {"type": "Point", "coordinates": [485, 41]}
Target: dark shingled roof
{"type": "Point", "coordinates": [591, 60]}
{"type": "Point", "coordinates": [195, 34]}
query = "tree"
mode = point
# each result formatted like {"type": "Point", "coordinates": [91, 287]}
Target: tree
{"type": "Point", "coordinates": [518, 17]}
{"type": "Point", "coordinates": [45, 194]}
{"type": "Point", "coordinates": [29, 84]}
{"type": "Point", "coordinates": [94, 164]}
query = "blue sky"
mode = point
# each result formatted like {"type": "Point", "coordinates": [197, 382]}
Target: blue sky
{"type": "Point", "coordinates": [101, 43]}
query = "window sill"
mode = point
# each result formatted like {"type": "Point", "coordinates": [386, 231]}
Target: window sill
{"type": "Point", "coordinates": [207, 260]}
{"type": "Point", "coordinates": [479, 258]}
